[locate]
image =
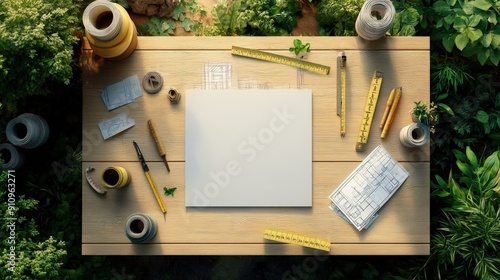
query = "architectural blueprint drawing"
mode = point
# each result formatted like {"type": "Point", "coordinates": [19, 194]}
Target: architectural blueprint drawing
{"type": "Point", "coordinates": [115, 125]}
{"type": "Point", "coordinates": [368, 188]}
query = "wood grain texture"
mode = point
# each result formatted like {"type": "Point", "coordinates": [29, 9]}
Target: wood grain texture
{"type": "Point", "coordinates": [403, 225]}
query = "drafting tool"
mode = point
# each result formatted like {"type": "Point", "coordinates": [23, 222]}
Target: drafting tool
{"type": "Point", "coordinates": [341, 94]}
{"type": "Point", "coordinates": [387, 121]}
{"type": "Point", "coordinates": [91, 183]}
{"type": "Point", "coordinates": [152, 183]}
{"type": "Point", "coordinates": [371, 104]}
{"type": "Point", "coordinates": [159, 144]}
{"type": "Point", "coordinates": [388, 105]}
{"type": "Point", "coordinates": [276, 58]}
{"type": "Point", "coordinates": [297, 239]}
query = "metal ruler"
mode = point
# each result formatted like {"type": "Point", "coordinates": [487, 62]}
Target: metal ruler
{"type": "Point", "coordinates": [276, 58]}
{"type": "Point", "coordinates": [371, 104]}
{"type": "Point", "coordinates": [341, 76]}
{"type": "Point", "coordinates": [297, 239]}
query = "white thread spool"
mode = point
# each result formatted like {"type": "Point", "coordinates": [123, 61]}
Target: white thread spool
{"type": "Point", "coordinates": [140, 228]}
{"type": "Point", "coordinates": [95, 19]}
{"type": "Point", "coordinates": [368, 26]}
{"type": "Point", "coordinates": [414, 135]}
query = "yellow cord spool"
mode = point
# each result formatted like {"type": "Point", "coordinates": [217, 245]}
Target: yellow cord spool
{"type": "Point", "coordinates": [122, 45]}
{"type": "Point", "coordinates": [115, 177]}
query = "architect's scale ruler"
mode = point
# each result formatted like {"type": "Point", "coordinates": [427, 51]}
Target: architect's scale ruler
{"type": "Point", "coordinates": [297, 239]}
{"type": "Point", "coordinates": [276, 58]}
{"type": "Point", "coordinates": [341, 94]}
{"type": "Point", "coordinates": [371, 104]}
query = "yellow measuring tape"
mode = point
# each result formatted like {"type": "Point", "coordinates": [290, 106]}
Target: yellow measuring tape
{"type": "Point", "coordinates": [297, 239]}
{"type": "Point", "coordinates": [371, 104]}
{"type": "Point", "coordinates": [271, 57]}
{"type": "Point", "coordinates": [341, 76]}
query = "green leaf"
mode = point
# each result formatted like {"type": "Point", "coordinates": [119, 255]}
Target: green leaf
{"type": "Point", "coordinates": [169, 191]}
{"type": "Point", "coordinates": [486, 40]}
{"type": "Point", "coordinates": [482, 116]}
{"type": "Point", "coordinates": [446, 108]}
{"type": "Point", "coordinates": [474, 20]}
{"type": "Point", "coordinates": [481, 4]}
{"type": "Point", "coordinates": [492, 18]}
{"type": "Point", "coordinates": [441, 7]}
{"type": "Point", "coordinates": [407, 30]}
{"type": "Point", "coordinates": [449, 42]}
{"type": "Point", "coordinates": [495, 59]}
{"type": "Point", "coordinates": [473, 34]}
{"type": "Point", "coordinates": [483, 56]}
{"type": "Point", "coordinates": [461, 41]}
{"type": "Point", "coordinates": [471, 156]}
{"type": "Point", "coordinates": [459, 23]}
{"type": "Point", "coordinates": [465, 168]}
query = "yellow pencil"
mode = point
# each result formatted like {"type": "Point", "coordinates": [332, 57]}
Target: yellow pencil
{"type": "Point", "coordinates": [392, 113]}
{"type": "Point", "coordinates": [387, 108]}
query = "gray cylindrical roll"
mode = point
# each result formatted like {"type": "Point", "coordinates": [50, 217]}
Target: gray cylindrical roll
{"type": "Point", "coordinates": [27, 131]}
{"type": "Point", "coordinates": [368, 26]}
{"type": "Point", "coordinates": [14, 159]}
{"type": "Point", "coordinates": [140, 228]}
{"type": "Point", "coordinates": [414, 135]}
{"type": "Point", "coordinates": [95, 12]}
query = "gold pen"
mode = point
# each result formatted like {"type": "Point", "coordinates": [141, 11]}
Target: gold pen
{"type": "Point", "coordinates": [392, 112]}
{"type": "Point", "coordinates": [152, 183]}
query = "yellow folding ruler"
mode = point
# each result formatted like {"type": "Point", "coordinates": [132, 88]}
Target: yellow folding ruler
{"type": "Point", "coordinates": [271, 57]}
{"type": "Point", "coordinates": [341, 94]}
{"type": "Point", "coordinates": [371, 104]}
{"type": "Point", "coordinates": [297, 239]}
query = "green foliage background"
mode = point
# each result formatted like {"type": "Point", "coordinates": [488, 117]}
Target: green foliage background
{"type": "Point", "coordinates": [36, 46]}
{"type": "Point", "coordinates": [38, 50]}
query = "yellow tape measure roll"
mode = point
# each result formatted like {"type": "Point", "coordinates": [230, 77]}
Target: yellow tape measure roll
{"type": "Point", "coordinates": [297, 239]}
{"type": "Point", "coordinates": [276, 58]}
{"type": "Point", "coordinates": [341, 91]}
{"type": "Point", "coordinates": [115, 177]}
{"type": "Point", "coordinates": [370, 106]}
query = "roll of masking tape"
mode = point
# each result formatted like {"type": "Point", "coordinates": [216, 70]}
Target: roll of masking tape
{"type": "Point", "coordinates": [115, 177]}
{"type": "Point", "coordinates": [102, 20]}
{"type": "Point", "coordinates": [124, 30]}
{"type": "Point", "coordinates": [13, 159]}
{"type": "Point", "coordinates": [414, 135]}
{"type": "Point", "coordinates": [140, 228]}
{"type": "Point", "coordinates": [375, 19]}
{"type": "Point", "coordinates": [122, 49]}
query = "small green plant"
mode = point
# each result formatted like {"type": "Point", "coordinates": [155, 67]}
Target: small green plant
{"type": "Point", "coordinates": [470, 27]}
{"type": "Point", "coordinates": [448, 75]}
{"type": "Point", "coordinates": [169, 191]}
{"type": "Point", "coordinates": [298, 47]}
{"type": "Point", "coordinates": [227, 20]}
{"type": "Point", "coordinates": [425, 113]}
{"type": "Point", "coordinates": [466, 242]}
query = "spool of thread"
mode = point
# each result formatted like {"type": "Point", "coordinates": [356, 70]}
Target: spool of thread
{"type": "Point", "coordinates": [13, 159]}
{"type": "Point", "coordinates": [140, 228]}
{"type": "Point", "coordinates": [110, 30]}
{"type": "Point", "coordinates": [115, 177]}
{"type": "Point", "coordinates": [27, 131]}
{"type": "Point", "coordinates": [174, 96]}
{"type": "Point", "coordinates": [375, 19]}
{"type": "Point", "coordinates": [414, 135]}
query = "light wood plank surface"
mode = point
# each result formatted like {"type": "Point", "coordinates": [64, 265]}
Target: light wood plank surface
{"type": "Point", "coordinates": [403, 225]}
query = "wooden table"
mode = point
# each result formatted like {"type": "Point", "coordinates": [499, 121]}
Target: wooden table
{"type": "Point", "coordinates": [185, 62]}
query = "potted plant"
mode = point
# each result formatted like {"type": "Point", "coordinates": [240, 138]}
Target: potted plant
{"type": "Point", "coordinates": [300, 50]}
{"type": "Point", "coordinates": [425, 113]}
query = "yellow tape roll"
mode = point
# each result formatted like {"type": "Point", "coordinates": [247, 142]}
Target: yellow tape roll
{"type": "Point", "coordinates": [124, 29]}
{"type": "Point", "coordinates": [115, 177]}
{"type": "Point", "coordinates": [122, 49]}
